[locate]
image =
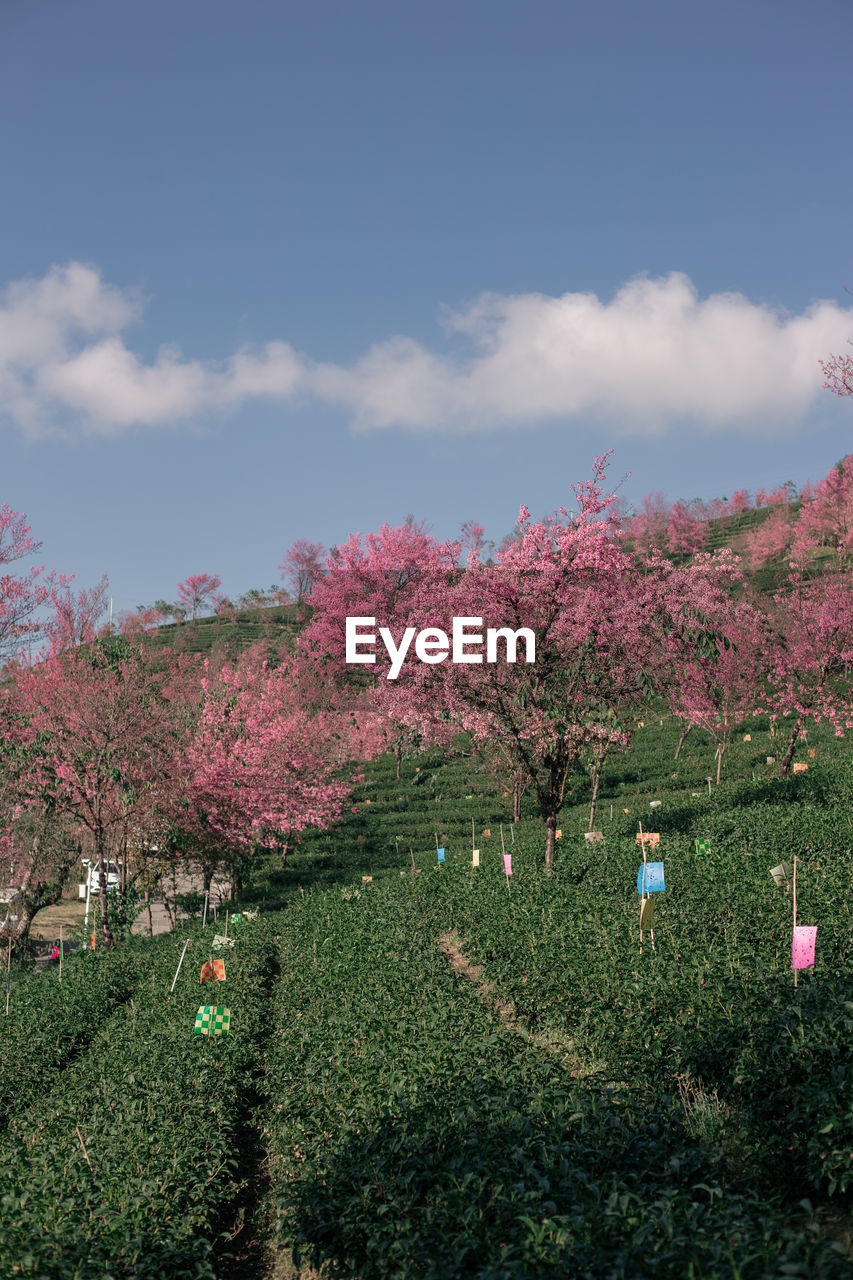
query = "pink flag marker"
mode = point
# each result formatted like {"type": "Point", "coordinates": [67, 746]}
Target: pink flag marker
{"type": "Point", "coordinates": [802, 946]}
{"type": "Point", "coordinates": [508, 863]}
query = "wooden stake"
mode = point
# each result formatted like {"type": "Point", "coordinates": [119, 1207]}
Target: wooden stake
{"type": "Point", "coordinates": [83, 1145]}
{"type": "Point", "coordinates": [473, 839]}
{"type": "Point", "coordinates": [643, 890]}
{"type": "Point", "coordinates": [206, 901]}
{"type": "Point", "coordinates": [61, 949]}
{"type": "Point", "coordinates": [8, 974]}
{"type": "Point", "coordinates": [412, 854]}
{"type": "Point", "coordinates": [643, 847]}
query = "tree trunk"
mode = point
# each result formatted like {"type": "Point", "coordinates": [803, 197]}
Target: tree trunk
{"type": "Point", "coordinates": [720, 750]}
{"type": "Point", "coordinates": [148, 909]}
{"type": "Point", "coordinates": [684, 733]}
{"type": "Point", "coordinates": [596, 779]}
{"type": "Point", "coordinates": [109, 940]}
{"type": "Point", "coordinates": [550, 837]}
{"type": "Point", "coordinates": [172, 916]}
{"type": "Point", "coordinates": [517, 787]}
{"type": "Point", "coordinates": [792, 742]}
{"type": "Point", "coordinates": [25, 909]}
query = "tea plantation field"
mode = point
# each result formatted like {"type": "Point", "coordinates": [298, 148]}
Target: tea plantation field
{"type": "Point", "coordinates": [456, 1073]}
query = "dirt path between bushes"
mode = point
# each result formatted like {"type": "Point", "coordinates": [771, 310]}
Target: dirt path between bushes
{"type": "Point", "coordinates": [450, 945]}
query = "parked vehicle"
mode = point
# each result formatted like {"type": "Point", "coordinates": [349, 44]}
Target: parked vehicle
{"type": "Point", "coordinates": [93, 880]}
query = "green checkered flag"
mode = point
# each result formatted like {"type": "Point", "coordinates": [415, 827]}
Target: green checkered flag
{"type": "Point", "coordinates": [212, 1020]}
{"type": "Point", "coordinates": [703, 846]}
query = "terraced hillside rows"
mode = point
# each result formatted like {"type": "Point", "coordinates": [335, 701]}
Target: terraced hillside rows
{"type": "Point", "coordinates": [460, 1073]}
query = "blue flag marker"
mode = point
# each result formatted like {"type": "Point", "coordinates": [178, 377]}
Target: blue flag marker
{"type": "Point", "coordinates": [440, 853]}
{"type": "Point", "coordinates": [654, 878]}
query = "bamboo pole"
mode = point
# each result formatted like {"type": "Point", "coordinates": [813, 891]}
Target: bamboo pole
{"type": "Point", "coordinates": [8, 973]}
{"type": "Point", "coordinates": [83, 1145]}
{"type": "Point", "coordinates": [643, 895]}
{"type": "Point", "coordinates": [503, 851]}
{"type": "Point", "coordinates": [795, 909]}
{"type": "Point", "coordinates": [180, 962]}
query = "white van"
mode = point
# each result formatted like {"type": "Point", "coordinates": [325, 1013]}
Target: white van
{"type": "Point", "coordinates": [93, 880]}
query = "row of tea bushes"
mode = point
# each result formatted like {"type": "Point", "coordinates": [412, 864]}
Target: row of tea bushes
{"type": "Point", "coordinates": [50, 1023]}
{"type": "Point", "coordinates": [712, 1009]}
{"type": "Point", "coordinates": [160, 1112]}
{"type": "Point", "coordinates": [415, 1129]}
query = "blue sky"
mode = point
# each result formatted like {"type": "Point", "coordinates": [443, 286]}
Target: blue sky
{"type": "Point", "coordinates": [286, 269]}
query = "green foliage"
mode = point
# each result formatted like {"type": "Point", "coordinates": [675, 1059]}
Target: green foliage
{"type": "Point", "coordinates": [161, 1112]}
{"type": "Point", "coordinates": [50, 1023]}
{"type": "Point", "coordinates": [416, 1129]}
{"type": "Point", "coordinates": [577, 1107]}
{"type": "Point", "coordinates": [122, 910]}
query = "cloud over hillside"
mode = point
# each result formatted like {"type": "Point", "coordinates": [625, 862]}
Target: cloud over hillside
{"type": "Point", "coordinates": [653, 356]}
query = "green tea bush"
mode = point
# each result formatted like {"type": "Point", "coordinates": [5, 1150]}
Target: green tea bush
{"type": "Point", "coordinates": [160, 1111]}
{"type": "Point", "coordinates": [414, 1132]}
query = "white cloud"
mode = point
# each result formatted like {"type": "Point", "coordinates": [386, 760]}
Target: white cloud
{"type": "Point", "coordinates": [62, 353]}
{"type": "Point", "coordinates": [653, 356]}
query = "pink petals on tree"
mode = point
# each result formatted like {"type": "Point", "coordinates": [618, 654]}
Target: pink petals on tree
{"type": "Point", "coordinates": [260, 763]}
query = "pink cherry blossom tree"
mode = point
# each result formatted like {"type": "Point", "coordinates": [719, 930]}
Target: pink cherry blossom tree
{"type": "Point", "coordinates": [685, 533]}
{"type": "Point", "coordinates": [607, 633]}
{"type": "Point", "coordinates": [767, 542]}
{"type": "Point", "coordinates": [809, 654]}
{"type": "Point", "coordinates": [302, 566]}
{"type": "Point", "coordinates": [826, 516]}
{"type": "Point", "coordinates": [198, 591]}
{"type": "Point", "coordinates": [473, 542]}
{"type": "Point", "coordinates": [75, 617]}
{"type": "Point", "coordinates": [22, 594]}
{"type": "Point", "coordinates": [648, 530]}
{"type": "Point", "coordinates": [717, 687]}
{"type": "Point", "coordinates": [96, 727]}
{"type": "Point", "coordinates": [258, 766]}
{"type": "Point", "coordinates": [605, 627]}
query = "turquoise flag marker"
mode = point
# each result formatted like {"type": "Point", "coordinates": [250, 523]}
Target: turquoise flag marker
{"type": "Point", "coordinates": [653, 878]}
{"type": "Point", "coordinates": [440, 853]}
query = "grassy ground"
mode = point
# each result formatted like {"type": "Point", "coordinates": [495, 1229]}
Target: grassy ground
{"type": "Point", "coordinates": [68, 914]}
